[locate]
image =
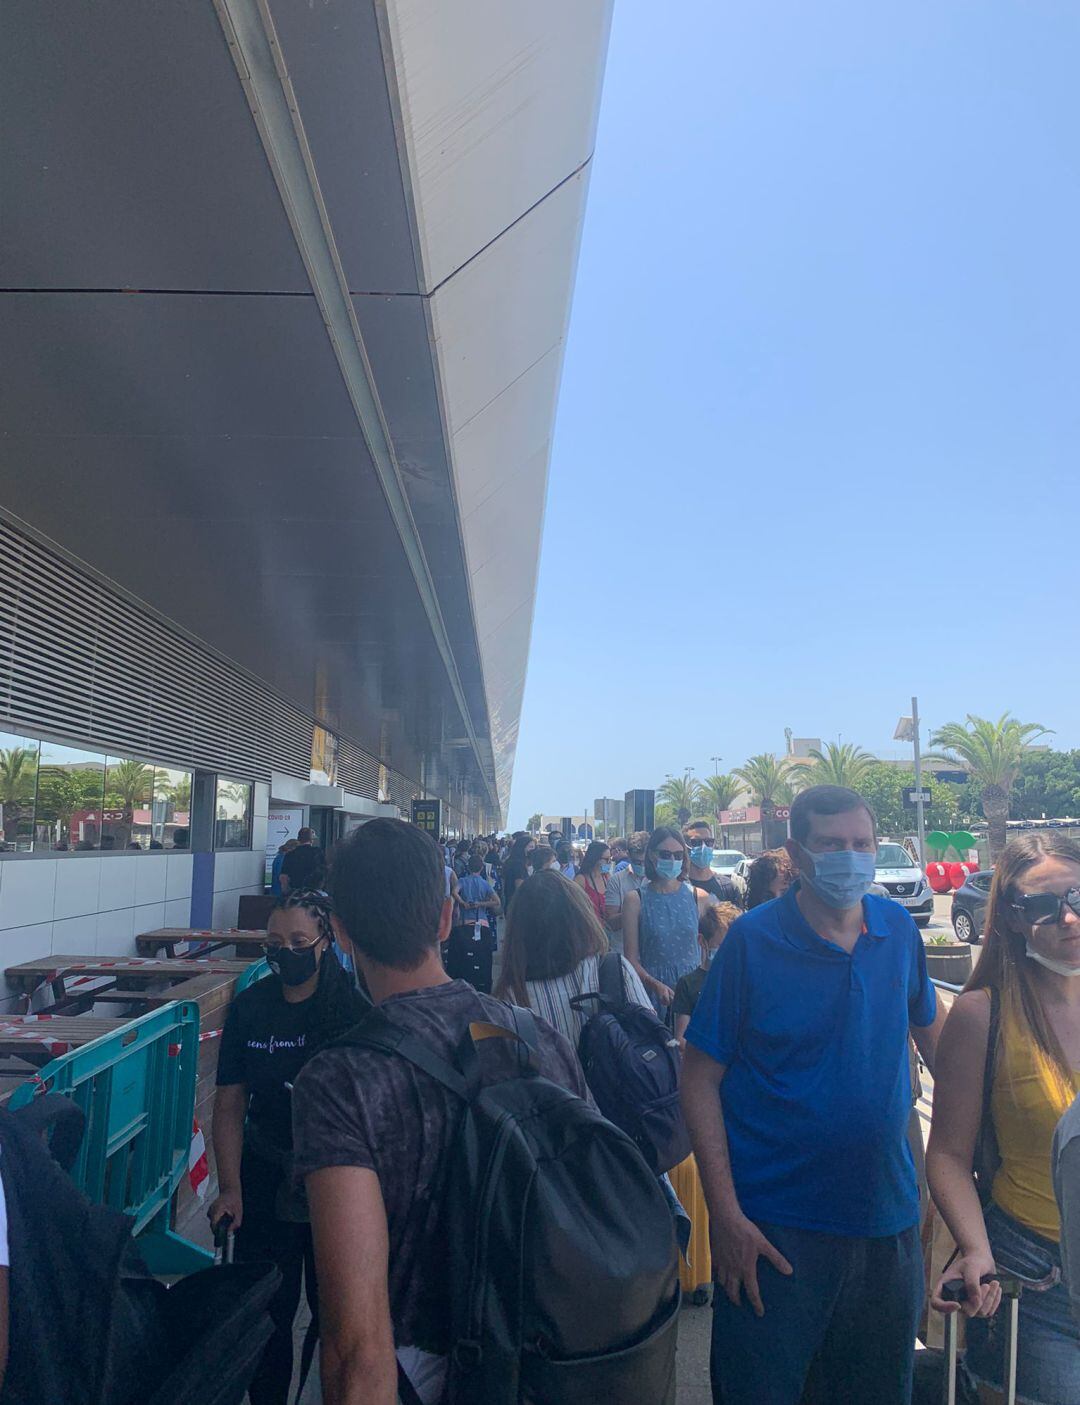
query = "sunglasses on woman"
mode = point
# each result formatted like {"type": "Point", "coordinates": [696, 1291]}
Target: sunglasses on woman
{"type": "Point", "coordinates": [1046, 909]}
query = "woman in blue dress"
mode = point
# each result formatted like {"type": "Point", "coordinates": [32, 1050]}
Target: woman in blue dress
{"type": "Point", "coordinates": [660, 920]}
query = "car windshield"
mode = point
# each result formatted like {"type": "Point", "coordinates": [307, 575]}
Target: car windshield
{"type": "Point", "coordinates": [727, 858]}
{"type": "Point", "coordinates": [894, 856]}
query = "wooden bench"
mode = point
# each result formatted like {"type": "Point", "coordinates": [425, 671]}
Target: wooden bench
{"type": "Point", "coordinates": [201, 942]}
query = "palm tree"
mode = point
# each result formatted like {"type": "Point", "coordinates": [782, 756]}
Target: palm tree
{"type": "Point", "coordinates": [178, 791]}
{"type": "Point", "coordinates": [682, 793]}
{"type": "Point", "coordinates": [18, 779]}
{"type": "Point", "coordinates": [991, 753]}
{"type": "Point", "coordinates": [839, 764]}
{"type": "Point", "coordinates": [769, 783]}
{"type": "Point", "coordinates": [131, 783]}
{"type": "Point", "coordinates": [719, 793]}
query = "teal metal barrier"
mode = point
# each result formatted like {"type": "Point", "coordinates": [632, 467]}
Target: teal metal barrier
{"type": "Point", "coordinates": [255, 972]}
{"type": "Point", "coordinates": [136, 1088]}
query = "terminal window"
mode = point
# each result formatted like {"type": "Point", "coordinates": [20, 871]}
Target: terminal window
{"type": "Point", "coordinates": [232, 814]}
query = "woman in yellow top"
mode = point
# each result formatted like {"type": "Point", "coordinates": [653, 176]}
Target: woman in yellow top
{"type": "Point", "coordinates": [1031, 959]}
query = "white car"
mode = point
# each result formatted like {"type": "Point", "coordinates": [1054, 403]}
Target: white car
{"type": "Point", "coordinates": [733, 864]}
{"type": "Point", "coordinates": [904, 882]}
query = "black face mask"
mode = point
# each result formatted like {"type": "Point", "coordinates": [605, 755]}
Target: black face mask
{"type": "Point", "coordinates": [292, 967]}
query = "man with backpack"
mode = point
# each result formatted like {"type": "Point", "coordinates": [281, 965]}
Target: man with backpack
{"type": "Point", "coordinates": [392, 1121]}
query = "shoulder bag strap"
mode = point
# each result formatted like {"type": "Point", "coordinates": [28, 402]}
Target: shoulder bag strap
{"type": "Point", "coordinates": [406, 1390]}
{"type": "Point", "coordinates": [375, 1031]}
{"type": "Point", "coordinates": [611, 980]}
{"type": "Point", "coordinates": [993, 1034]}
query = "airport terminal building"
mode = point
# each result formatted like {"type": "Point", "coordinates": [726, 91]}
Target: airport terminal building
{"type": "Point", "coordinates": [285, 290]}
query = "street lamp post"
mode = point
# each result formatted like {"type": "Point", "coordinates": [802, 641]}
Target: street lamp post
{"type": "Point", "coordinates": [907, 730]}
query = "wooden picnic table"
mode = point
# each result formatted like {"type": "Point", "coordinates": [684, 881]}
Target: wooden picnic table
{"type": "Point", "coordinates": [201, 942]}
{"type": "Point", "coordinates": [167, 939]}
{"type": "Point", "coordinates": [68, 974]}
{"type": "Point", "coordinates": [38, 1038]}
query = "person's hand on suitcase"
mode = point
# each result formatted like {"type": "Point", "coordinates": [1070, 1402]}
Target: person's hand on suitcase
{"type": "Point", "coordinates": [229, 1202]}
{"type": "Point", "coordinates": [737, 1244]}
{"type": "Point", "coordinates": [981, 1299]}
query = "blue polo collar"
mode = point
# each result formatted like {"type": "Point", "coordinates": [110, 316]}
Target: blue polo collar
{"type": "Point", "coordinates": [795, 928]}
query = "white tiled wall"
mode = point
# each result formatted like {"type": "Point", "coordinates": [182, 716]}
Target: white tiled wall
{"type": "Point", "coordinates": [235, 874]}
{"type": "Point", "coordinates": [89, 905]}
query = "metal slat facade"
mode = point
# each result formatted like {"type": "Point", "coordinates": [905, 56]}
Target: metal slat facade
{"type": "Point", "coordinates": [79, 662]}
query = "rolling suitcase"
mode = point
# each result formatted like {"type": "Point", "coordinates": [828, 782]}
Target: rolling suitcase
{"type": "Point", "coordinates": [1012, 1285]}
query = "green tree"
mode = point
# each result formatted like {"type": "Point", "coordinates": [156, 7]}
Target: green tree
{"type": "Point", "coordinates": [62, 791]}
{"type": "Point", "coordinates": [1047, 786]}
{"type": "Point", "coordinates": [178, 792]}
{"type": "Point", "coordinates": [665, 815]}
{"type": "Point", "coordinates": [720, 793]}
{"type": "Point", "coordinates": [682, 793]}
{"type": "Point", "coordinates": [18, 780]}
{"type": "Point", "coordinates": [992, 754]}
{"type": "Point", "coordinates": [883, 787]}
{"type": "Point", "coordinates": [839, 764]}
{"type": "Point", "coordinates": [769, 783]}
{"type": "Point", "coordinates": [534, 824]}
{"type": "Point", "coordinates": [128, 784]}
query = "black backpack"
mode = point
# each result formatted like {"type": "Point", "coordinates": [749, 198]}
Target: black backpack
{"type": "Point", "coordinates": [563, 1286]}
{"type": "Point", "coordinates": [631, 1063]}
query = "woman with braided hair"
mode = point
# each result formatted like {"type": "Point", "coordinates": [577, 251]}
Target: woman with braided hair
{"type": "Point", "coordinates": [271, 1031]}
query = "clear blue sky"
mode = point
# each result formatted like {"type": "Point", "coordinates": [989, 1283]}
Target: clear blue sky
{"type": "Point", "coordinates": [817, 444]}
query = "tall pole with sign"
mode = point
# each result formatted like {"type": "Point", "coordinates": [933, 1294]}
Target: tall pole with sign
{"type": "Point", "coordinates": [920, 818]}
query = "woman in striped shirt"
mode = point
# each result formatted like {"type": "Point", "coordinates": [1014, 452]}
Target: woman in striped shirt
{"type": "Point", "coordinates": [553, 945]}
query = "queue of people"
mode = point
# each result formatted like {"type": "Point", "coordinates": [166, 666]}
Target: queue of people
{"type": "Point", "coordinates": [793, 1019]}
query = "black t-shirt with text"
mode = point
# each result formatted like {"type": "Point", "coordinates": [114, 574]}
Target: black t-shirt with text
{"type": "Point", "coordinates": [264, 1045]}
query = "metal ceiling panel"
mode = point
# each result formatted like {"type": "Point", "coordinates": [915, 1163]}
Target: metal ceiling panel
{"type": "Point", "coordinates": [129, 158]}
{"type": "Point", "coordinates": [499, 102]}
{"type": "Point", "coordinates": [500, 327]}
{"type": "Point", "coordinates": [334, 58]}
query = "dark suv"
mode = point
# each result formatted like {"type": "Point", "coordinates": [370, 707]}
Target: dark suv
{"type": "Point", "coordinates": [969, 905]}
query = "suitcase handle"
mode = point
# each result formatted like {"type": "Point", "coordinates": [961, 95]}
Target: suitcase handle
{"type": "Point", "coordinates": [955, 1290]}
{"type": "Point", "coordinates": [224, 1238]}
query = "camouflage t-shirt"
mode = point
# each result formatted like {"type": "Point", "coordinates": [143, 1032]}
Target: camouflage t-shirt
{"type": "Point", "coordinates": [361, 1107]}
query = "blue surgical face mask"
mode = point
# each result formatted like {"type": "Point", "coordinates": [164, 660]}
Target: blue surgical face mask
{"type": "Point", "coordinates": [701, 856]}
{"type": "Point", "coordinates": [638, 868]}
{"type": "Point", "coordinates": [605, 868]}
{"type": "Point", "coordinates": [669, 868]}
{"type": "Point", "coordinates": [842, 877]}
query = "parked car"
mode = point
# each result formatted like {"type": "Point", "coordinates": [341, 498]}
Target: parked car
{"type": "Point", "coordinates": [733, 864]}
{"type": "Point", "coordinates": [904, 882]}
{"type": "Point", "coordinates": [727, 861]}
{"type": "Point", "coordinates": [969, 906]}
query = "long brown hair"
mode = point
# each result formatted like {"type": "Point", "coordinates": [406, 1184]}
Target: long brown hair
{"type": "Point", "coordinates": [550, 930]}
{"type": "Point", "coordinates": [1003, 965]}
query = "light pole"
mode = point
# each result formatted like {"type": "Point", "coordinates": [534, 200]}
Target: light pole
{"type": "Point", "coordinates": [907, 730]}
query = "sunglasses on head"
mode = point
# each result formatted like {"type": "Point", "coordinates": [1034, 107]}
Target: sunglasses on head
{"type": "Point", "coordinates": [1046, 909]}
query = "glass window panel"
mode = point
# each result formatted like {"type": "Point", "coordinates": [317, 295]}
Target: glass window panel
{"type": "Point", "coordinates": [129, 790]}
{"type": "Point", "coordinates": [70, 795]}
{"type": "Point", "coordinates": [170, 826]}
{"type": "Point", "coordinates": [18, 786]}
{"type": "Point", "coordinates": [232, 814]}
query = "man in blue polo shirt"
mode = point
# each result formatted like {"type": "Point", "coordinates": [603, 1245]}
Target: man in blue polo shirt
{"type": "Point", "coordinates": [797, 1092]}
